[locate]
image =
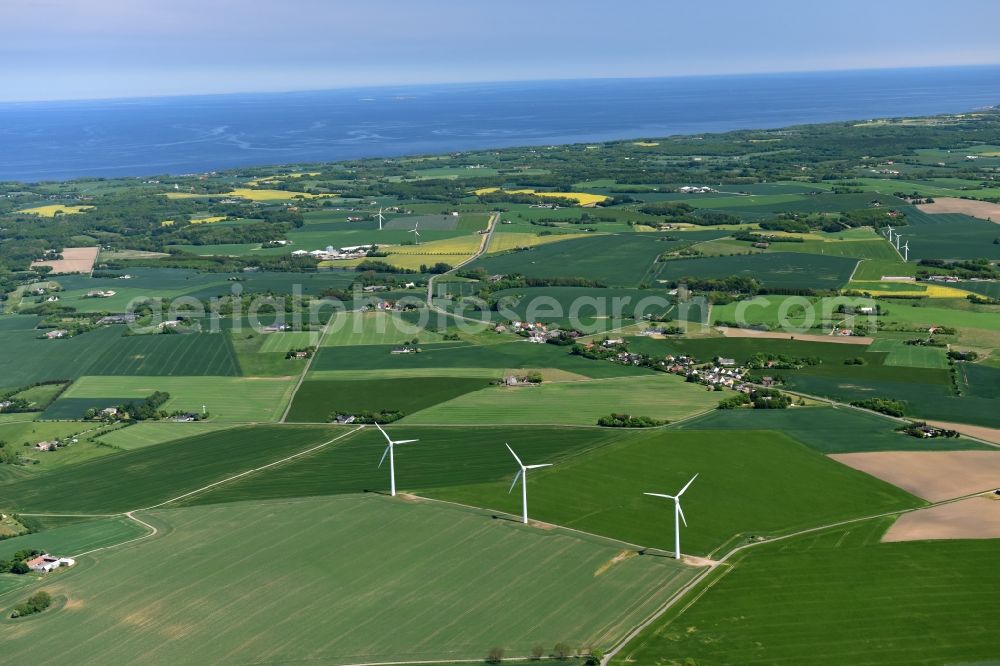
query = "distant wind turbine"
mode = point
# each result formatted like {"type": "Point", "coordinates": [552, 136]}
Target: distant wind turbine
{"type": "Point", "coordinates": [523, 475]}
{"type": "Point", "coordinates": [890, 234]}
{"type": "Point", "coordinates": [392, 459]}
{"type": "Point", "coordinates": [416, 233]}
{"type": "Point", "coordinates": [897, 242]}
{"type": "Point", "coordinates": [381, 218]}
{"type": "Point", "coordinates": [906, 251]}
{"type": "Point", "coordinates": [678, 515]}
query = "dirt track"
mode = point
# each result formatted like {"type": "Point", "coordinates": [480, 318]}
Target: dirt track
{"type": "Point", "coordinates": [932, 475]}
{"type": "Point", "coordinates": [973, 518]}
{"type": "Point", "coordinates": [807, 337]}
{"type": "Point", "coordinates": [981, 209]}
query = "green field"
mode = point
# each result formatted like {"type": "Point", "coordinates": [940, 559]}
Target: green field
{"type": "Point", "coordinates": [914, 356]}
{"type": "Point", "coordinates": [285, 341]}
{"type": "Point", "coordinates": [773, 269]}
{"type": "Point", "coordinates": [664, 397]}
{"type": "Point", "coordinates": [141, 478]}
{"type": "Point", "coordinates": [826, 429]}
{"type": "Point", "coordinates": [760, 483]}
{"type": "Point", "coordinates": [226, 398]}
{"type": "Point", "coordinates": [149, 433]}
{"type": "Point", "coordinates": [77, 538]}
{"type": "Point", "coordinates": [318, 400]}
{"type": "Point", "coordinates": [503, 355]}
{"type": "Point", "coordinates": [443, 456]}
{"type": "Point", "coordinates": [375, 328]}
{"type": "Point", "coordinates": [450, 582]}
{"type": "Point", "coordinates": [838, 598]}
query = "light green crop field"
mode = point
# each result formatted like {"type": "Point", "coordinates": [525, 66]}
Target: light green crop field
{"type": "Point", "coordinates": [374, 328]}
{"type": "Point", "coordinates": [71, 540]}
{"type": "Point", "coordinates": [873, 269]}
{"type": "Point", "coordinates": [660, 396]}
{"type": "Point", "coordinates": [149, 433]}
{"type": "Point", "coordinates": [749, 483]}
{"type": "Point", "coordinates": [340, 581]}
{"type": "Point", "coordinates": [919, 314]}
{"type": "Point", "coordinates": [284, 341]}
{"type": "Point", "coordinates": [226, 398]}
{"type": "Point", "coordinates": [914, 356]}
{"type": "Point", "coordinates": [840, 597]}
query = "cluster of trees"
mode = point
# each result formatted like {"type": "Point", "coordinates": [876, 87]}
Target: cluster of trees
{"type": "Point", "coordinates": [883, 405]}
{"type": "Point", "coordinates": [36, 603]}
{"type": "Point", "coordinates": [147, 410]}
{"type": "Point", "coordinates": [629, 421]}
{"type": "Point", "coordinates": [678, 212]}
{"type": "Point", "coordinates": [762, 360]}
{"type": "Point", "coordinates": [18, 563]}
{"type": "Point", "coordinates": [956, 355]}
{"type": "Point", "coordinates": [369, 416]}
{"type": "Point", "coordinates": [759, 398]}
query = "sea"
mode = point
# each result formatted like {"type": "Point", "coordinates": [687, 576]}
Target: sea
{"type": "Point", "coordinates": [194, 134]}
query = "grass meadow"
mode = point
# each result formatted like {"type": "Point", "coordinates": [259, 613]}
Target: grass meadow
{"type": "Point", "coordinates": [450, 582]}
{"type": "Point", "coordinates": [150, 433]}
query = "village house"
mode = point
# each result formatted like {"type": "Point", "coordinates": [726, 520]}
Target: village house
{"type": "Point", "coordinates": [57, 333]}
{"type": "Point", "coordinates": [46, 446]}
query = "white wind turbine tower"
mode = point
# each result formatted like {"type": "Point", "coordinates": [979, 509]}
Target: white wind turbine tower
{"type": "Point", "coordinates": [890, 234]}
{"type": "Point", "coordinates": [416, 233]}
{"type": "Point", "coordinates": [523, 474]}
{"type": "Point", "coordinates": [897, 242]}
{"type": "Point", "coordinates": [906, 251]}
{"type": "Point", "coordinates": [678, 515]}
{"type": "Point", "coordinates": [381, 218]}
{"type": "Point", "coordinates": [392, 459]}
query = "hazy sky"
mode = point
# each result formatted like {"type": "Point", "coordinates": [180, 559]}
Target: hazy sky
{"type": "Point", "coordinates": [59, 49]}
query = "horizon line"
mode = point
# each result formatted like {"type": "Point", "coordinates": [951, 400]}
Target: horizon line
{"type": "Point", "coordinates": [426, 84]}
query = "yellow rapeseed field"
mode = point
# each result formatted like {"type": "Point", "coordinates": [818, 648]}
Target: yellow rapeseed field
{"type": "Point", "coordinates": [208, 220]}
{"type": "Point", "coordinates": [504, 241]}
{"type": "Point", "coordinates": [645, 144]}
{"type": "Point", "coordinates": [463, 245]}
{"type": "Point", "coordinates": [271, 195]}
{"type": "Point", "coordinates": [582, 198]}
{"type": "Point", "coordinates": [53, 209]}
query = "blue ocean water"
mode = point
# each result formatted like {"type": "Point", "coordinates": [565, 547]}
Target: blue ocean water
{"type": "Point", "coordinates": [136, 137]}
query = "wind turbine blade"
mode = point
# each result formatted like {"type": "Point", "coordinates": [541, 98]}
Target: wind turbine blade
{"type": "Point", "coordinates": [387, 438]}
{"type": "Point", "coordinates": [521, 464]}
{"type": "Point", "coordinates": [681, 512]}
{"type": "Point", "coordinates": [538, 466]}
{"type": "Point", "coordinates": [514, 482]}
{"type": "Point", "coordinates": [660, 495]}
{"type": "Point", "coordinates": [406, 441]}
{"type": "Point", "coordinates": [687, 485]}
{"type": "Point", "coordinates": [384, 454]}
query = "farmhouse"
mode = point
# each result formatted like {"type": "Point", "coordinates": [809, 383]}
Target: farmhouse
{"type": "Point", "coordinates": [46, 446]}
{"type": "Point", "coordinates": [46, 563]}
{"type": "Point", "coordinates": [100, 293]}
{"type": "Point", "coordinates": [57, 333]}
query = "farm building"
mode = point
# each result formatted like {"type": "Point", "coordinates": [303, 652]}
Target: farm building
{"type": "Point", "coordinates": [46, 563]}
{"type": "Point", "coordinates": [46, 446]}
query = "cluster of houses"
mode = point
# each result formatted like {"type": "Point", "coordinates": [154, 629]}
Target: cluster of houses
{"type": "Point", "coordinates": [534, 332]}
{"type": "Point", "coordinates": [336, 253]}
{"type": "Point", "coordinates": [56, 333]}
{"type": "Point", "coordinates": [694, 189]}
{"type": "Point", "coordinates": [46, 563]}
{"type": "Point", "coordinates": [100, 293]}
{"type": "Point", "coordinates": [722, 372]}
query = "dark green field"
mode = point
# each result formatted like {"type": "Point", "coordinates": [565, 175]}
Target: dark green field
{"type": "Point", "coordinates": [511, 355]}
{"type": "Point", "coordinates": [949, 236]}
{"type": "Point", "coordinates": [143, 477]}
{"type": "Point", "coordinates": [826, 429]}
{"type": "Point", "coordinates": [740, 349]}
{"type": "Point", "coordinates": [316, 400]}
{"type": "Point", "coordinates": [839, 598]}
{"type": "Point", "coordinates": [443, 457]}
{"type": "Point", "coordinates": [761, 483]}
{"type": "Point", "coordinates": [772, 269]}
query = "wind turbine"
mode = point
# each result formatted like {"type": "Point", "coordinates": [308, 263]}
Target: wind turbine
{"type": "Point", "coordinates": [890, 234]}
{"type": "Point", "coordinates": [523, 474]}
{"type": "Point", "coordinates": [416, 233]}
{"type": "Point", "coordinates": [678, 515]}
{"type": "Point", "coordinates": [381, 218]}
{"type": "Point", "coordinates": [897, 242]}
{"type": "Point", "coordinates": [906, 251]}
{"type": "Point", "coordinates": [392, 460]}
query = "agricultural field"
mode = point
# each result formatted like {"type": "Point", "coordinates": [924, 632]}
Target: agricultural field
{"type": "Point", "coordinates": [225, 398]}
{"type": "Point", "coordinates": [146, 434]}
{"type": "Point", "coordinates": [781, 486]}
{"type": "Point", "coordinates": [375, 328]}
{"type": "Point", "coordinates": [573, 402]}
{"type": "Point", "coordinates": [798, 602]}
{"type": "Point", "coordinates": [571, 587]}
{"type": "Point", "coordinates": [773, 269]}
